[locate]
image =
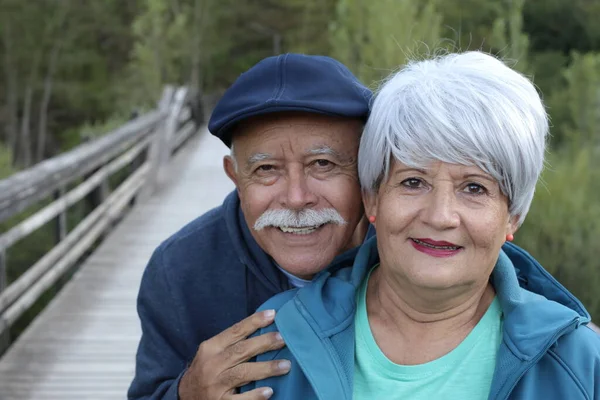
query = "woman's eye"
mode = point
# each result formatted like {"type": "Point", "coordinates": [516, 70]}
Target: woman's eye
{"type": "Point", "coordinates": [412, 183]}
{"type": "Point", "coordinates": [475, 188]}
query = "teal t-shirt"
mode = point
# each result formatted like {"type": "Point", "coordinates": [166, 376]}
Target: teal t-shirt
{"type": "Point", "coordinates": [463, 374]}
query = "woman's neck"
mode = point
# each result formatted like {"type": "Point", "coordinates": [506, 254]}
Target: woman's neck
{"type": "Point", "coordinates": [413, 326]}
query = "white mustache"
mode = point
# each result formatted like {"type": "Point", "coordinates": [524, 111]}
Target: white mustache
{"type": "Point", "coordinates": [298, 219]}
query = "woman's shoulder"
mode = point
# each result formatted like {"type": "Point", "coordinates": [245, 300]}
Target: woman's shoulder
{"type": "Point", "coordinates": [579, 355]}
{"type": "Point", "coordinates": [580, 344]}
{"type": "Point", "coordinates": [278, 301]}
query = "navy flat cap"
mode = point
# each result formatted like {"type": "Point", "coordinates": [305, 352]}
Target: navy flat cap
{"type": "Point", "coordinates": [290, 82]}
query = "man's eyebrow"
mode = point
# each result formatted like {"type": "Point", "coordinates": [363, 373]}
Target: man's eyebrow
{"type": "Point", "coordinates": [324, 150]}
{"type": "Point", "coordinates": [254, 158]}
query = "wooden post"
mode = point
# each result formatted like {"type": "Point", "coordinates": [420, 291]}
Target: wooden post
{"type": "Point", "coordinates": [172, 123]}
{"type": "Point", "coordinates": [61, 219]}
{"type": "Point", "coordinates": [155, 148]}
{"type": "Point", "coordinates": [61, 228]}
{"type": "Point", "coordinates": [3, 270]}
{"type": "Point", "coordinates": [4, 334]}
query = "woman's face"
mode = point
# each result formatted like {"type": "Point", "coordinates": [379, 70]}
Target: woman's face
{"type": "Point", "coordinates": [442, 227]}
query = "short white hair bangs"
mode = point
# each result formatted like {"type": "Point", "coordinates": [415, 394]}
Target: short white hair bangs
{"type": "Point", "coordinates": [468, 109]}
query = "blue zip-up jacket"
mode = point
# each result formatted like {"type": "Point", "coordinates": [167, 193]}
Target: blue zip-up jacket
{"type": "Point", "coordinates": [547, 351]}
{"type": "Point", "coordinates": [203, 279]}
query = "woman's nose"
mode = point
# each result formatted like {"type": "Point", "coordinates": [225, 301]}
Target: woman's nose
{"type": "Point", "coordinates": [441, 209]}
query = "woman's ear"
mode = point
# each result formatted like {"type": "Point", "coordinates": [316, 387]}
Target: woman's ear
{"type": "Point", "coordinates": [513, 224]}
{"type": "Point", "coordinates": [370, 203]}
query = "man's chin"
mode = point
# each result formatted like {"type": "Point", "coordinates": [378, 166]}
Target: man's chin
{"type": "Point", "coordinates": [301, 266]}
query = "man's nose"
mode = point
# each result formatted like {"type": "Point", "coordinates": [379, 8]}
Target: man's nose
{"type": "Point", "coordinates": [441, 209]}
{"type": "Point", "coordinates": [298, 194]}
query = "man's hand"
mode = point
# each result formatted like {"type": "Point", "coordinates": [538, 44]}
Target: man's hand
{"type": "Point", "coordinates": [220, 365]}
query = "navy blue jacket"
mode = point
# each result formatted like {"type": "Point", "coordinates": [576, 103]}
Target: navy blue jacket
{"type": "Point", "coordinates": [203, 279]}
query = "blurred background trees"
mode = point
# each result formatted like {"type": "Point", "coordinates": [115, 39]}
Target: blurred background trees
{"type": "Point", "coordinates": [71, 69]}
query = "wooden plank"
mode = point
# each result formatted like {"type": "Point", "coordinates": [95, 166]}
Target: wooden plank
{"type": "Point", "coordinates": [183, 134]}
{"type": "Point", "coordinates": [64, 202]}
{"type": "Point", "coordinates": [25, 188]}
{"type": "Point", "coordinates": [83, 344]}
{"type": "Point", "coordinates": [29, 277]}
{"type": "Point", "coordinates": [110, 210]}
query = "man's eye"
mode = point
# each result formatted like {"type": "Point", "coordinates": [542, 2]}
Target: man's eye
{"type": "Point", "coordinates": [265, 168]}
{"type": "Point", "coordinates": [412, 183]}
{"type": "Point", "coordinates": [475, 188]}
{"type": "Point", "coordinates": [323, 163]}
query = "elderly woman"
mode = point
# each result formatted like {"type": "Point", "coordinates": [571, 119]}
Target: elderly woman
{"type": "Point", "coordinates": [438, 305]}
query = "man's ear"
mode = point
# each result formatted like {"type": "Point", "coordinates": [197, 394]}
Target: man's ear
{"type": "Point", "coordinates": [229, 167]}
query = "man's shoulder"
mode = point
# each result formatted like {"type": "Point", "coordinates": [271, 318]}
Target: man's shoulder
{"type": "Point", "coordinates": [209, 225]}
{"type": "Point", "coordinates": [205, 241]}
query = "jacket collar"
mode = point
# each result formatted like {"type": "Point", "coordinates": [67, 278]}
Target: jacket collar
{"type": "Point", "coordinates": [522, 286]}
{"type": "Point", "coordinates": [537, 309]}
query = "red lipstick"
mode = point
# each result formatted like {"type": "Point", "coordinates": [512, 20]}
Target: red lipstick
{"type": "Point", "coordinates": [435, 248]}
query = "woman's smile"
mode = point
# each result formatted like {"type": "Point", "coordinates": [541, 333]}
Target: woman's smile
{"type": "Point", "coordinates": [436, 248]}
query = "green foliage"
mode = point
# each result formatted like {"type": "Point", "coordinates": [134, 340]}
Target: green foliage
{"type": "Point", "coordinates": [574, 101]}
{"type": "Point", "coordinates": [160, 45]}
{"type": "Point", "coordinates": [492, 26]}
{"type": "Point", "coordinates": [562, 25]}
{"type": "Point", "coordinates": [375, 38]}
{"type": "Point", "coordinates": [6, 168]}
{"type": "Point", "coordinates": [583, 99]}
{"type": "Point", "coordinates": [563, 225]}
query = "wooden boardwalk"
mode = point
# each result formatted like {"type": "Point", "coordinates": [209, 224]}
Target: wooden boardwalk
{"type": "Point", "coordinates": [83, 345]}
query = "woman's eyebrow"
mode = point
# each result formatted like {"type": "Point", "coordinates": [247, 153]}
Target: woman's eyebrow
{"type": "Point", "coordinates": [481, 176]}
{"type": "Point", "coordinates": [409, 169]}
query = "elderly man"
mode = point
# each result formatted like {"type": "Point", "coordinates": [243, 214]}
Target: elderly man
{"type": "Point", "coordinates": [293, 123]}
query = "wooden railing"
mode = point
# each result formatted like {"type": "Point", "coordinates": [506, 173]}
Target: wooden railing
{"type": "Point", "coordinates": [145, 144]}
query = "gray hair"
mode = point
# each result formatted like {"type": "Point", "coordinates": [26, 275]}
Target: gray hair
{"type": "Point", "coordinates": [468, 109]}
{"type": "Point", "coordinates": [232, 155]}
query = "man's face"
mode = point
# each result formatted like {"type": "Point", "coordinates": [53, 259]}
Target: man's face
{"type": "Point", "coordinates": [296, 175]}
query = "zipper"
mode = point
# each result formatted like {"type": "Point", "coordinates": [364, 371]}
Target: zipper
{"type": "Point", "coordinates": [534, 360]}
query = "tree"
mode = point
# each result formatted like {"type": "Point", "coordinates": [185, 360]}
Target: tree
{"type": "Point", "coordinates": [375, 38]}
{"type": "Point", "coordinates": [563, 225]}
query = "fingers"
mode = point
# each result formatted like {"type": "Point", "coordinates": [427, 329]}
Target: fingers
{"type": "Point", "coordinates": [244, 328]}
{"type": "Point", "coordinates": [256, 394]}
{"type": "Point", "coordinates": [220, 363]}
{"type": "Point", "coordinates": [245, 373]}
{"type": "Point", "coordinates": [244, 350]}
